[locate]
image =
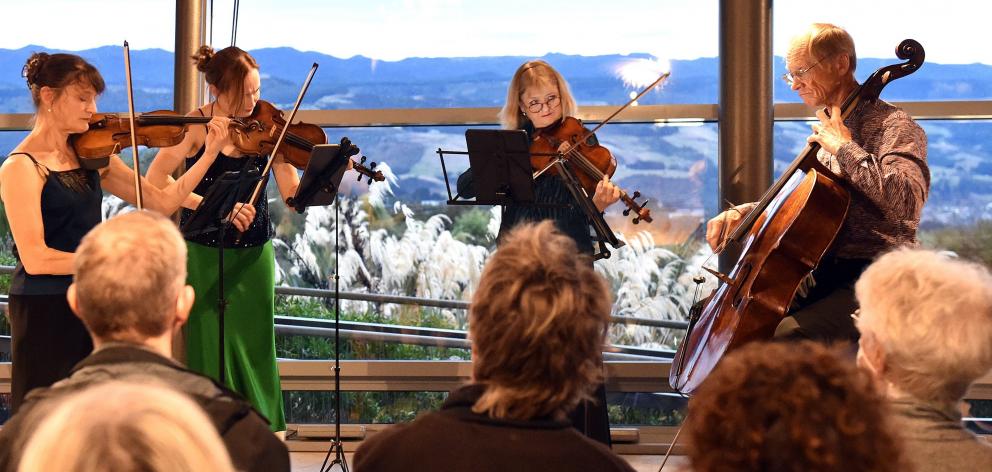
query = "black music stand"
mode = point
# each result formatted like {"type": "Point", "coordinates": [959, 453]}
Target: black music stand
{"type": "Point", "coordinates": [211, 216]}
{"type": "Point", "coordinates": [500, 162]}
{"type": "Point", "coordinates": [319, 187]}
{"type": "Point", "coordinates": [504, 176]}
{"type": "Point", "coordinates": [320, 181]}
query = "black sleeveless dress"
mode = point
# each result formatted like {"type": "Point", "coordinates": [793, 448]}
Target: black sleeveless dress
{"type": "Point", "coordinates": [47, 339]}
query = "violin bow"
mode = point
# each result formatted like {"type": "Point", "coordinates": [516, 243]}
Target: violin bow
{"type": "Point", "coordinates": [136, 165]}
{"type": "Point", "coordinates": [282, 135]}
{"type": "Point", "coordinates": [647, 89]}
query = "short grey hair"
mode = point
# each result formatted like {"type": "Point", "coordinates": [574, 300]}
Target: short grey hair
{"type": "Point", "coordinates": [129, 271]}
{"type": "Point", "coordinates": [932, 316]}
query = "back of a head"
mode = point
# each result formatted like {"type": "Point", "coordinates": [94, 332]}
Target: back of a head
{"type": "Point", "coordinates": [125, 427]}
{"type": "Point", "coordinates": [537, 323]}
{"type": "Point", "coordinates": [128, 274]}
{"type": "Point", "coordinates": [778, 407]}
{"type": "Point", "coordinates": [932, 316]}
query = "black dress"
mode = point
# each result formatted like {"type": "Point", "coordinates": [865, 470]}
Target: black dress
{"type": "Point", "coordinates": [47, 339]}
{"type": "Point", "coordinates": [590, 418]}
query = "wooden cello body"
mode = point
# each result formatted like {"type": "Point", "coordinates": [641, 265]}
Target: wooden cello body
{"type": "Point", "coordinates": [781, 240]}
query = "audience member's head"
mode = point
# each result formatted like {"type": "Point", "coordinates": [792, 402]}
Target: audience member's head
{"type": "Point", "coordinates": [537, 323]}
{"type": "Point", "coordinates": [926, 323]}
{"type": "Point", "coordinates": [777, 407]}
{"type": "Point", "coordinates": [127, 427]}
{"type": "Point", "coordinates": [129, 283]}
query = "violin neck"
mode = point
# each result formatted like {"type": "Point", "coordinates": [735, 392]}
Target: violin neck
{"type": "Point", "coordinates": [172, 119]}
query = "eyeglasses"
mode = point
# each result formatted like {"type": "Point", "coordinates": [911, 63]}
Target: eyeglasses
{"type": "Point", "coordinates": [551, 101]}
{"type": "Point", "coordinates": [791, 77]}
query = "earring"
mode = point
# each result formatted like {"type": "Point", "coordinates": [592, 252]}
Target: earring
{"type": "Point", "coordinates": [523, 113]}
{"type": "Point", "coordinates": [49, 110]}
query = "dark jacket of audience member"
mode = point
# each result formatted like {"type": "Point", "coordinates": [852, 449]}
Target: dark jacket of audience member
{"type": "Point", "coordinates": [455, 438]}
{"type": "Point", "coordinates": [246, 434]}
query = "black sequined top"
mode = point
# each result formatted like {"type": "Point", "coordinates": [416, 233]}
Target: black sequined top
{"type": "Point", "coordinates": [260, 231]}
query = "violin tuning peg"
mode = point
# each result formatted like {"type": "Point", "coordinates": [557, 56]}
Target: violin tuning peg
{"type": "Point", "coordinates": [626, 212]}
{"type": "Point", "coordinates": [359, 179]}
{"type": "Point", "coordinates": [363, 160]}
{"type": "Point", "coordinates": [372, 165]}
{"type": "Point", "coordinates": [370, 181]}
{"type": "Point", "coordinates": [636, 195]}
{"type": "Point", "coordinates": [637, 220]}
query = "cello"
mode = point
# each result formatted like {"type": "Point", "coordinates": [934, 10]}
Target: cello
{"type": "Point", "coordinates": [782, 239]}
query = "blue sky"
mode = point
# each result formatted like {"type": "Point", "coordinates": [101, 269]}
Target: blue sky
{"type": "Point", "coordinates": [950, 30]}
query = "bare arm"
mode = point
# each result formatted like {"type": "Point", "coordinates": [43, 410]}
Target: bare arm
{"type": "Point", "coordinates": [118, 179]}
{"type": "Point", "coordinates": [20, 189]}
{"type": "Point", "coordinates": [287, 178]}
{"type": "Point", "coordinates": [168, 160]}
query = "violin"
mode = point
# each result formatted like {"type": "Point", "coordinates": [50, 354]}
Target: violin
{"type": "Point", "coordinates": [253, 135]}
{"type": "Point", "coordinates": [594, 160]}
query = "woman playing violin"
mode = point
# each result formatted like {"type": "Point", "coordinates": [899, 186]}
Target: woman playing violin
{"type": "Point", "coordinates": [878, 151]}
{"type": "Point", "coordinates": [249, 262]}
{"type": "Point", "coordinates": [51, 202]}
{"type": "Point", "coordinates": [538, 99]}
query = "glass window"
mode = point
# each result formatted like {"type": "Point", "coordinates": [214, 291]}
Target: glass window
{"type": "Point", "coordinates": [409, 242]}
{"type": "Point", "coordinates": [432, 54]}
{"type": "Point", "coordinates": [96, 36]}
{"type": "Point", "coordinates": [958, 65]}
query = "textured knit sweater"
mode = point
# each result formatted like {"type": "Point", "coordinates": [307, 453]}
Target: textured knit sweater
{"type": "Point", "coordinates": [886, 167]}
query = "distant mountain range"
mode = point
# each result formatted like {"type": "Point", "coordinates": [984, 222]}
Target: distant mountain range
{"type": "Point", "coordinates": [360, 82]}
{"type": "Point", "coordinates": [671, 164]}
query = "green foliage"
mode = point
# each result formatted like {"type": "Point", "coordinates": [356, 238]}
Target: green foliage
{"type": "Point", "coordinates": [360, 407]}
{"type": "Point", "coordinates": [969, 242]}
{"type": "Point", "coordinates": [643, 416]}
{"type": "Point", "coordinates": [313, 347]}
{"type": "Point", "coordinates": [472, 227]}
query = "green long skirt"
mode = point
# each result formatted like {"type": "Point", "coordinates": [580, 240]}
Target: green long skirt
{"type": "Point", "coordinates": [249, 330]}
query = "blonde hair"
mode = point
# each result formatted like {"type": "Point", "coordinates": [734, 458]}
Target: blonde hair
{"type": "Point", "coordinates": [126, 427]}
{"type": "Point", "coordinates": [537, 322]}
{"type": "Point", "coordinates": [932, 316]}
{"type": "Point", "coordinates": [128, 274]}
{"type": "Point", "coordinates": [531, 73]}
{"type": "Point", "coordinates": [823, 40]}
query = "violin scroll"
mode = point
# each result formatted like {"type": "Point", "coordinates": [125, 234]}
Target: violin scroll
{"type": "Point", "coordinates": [641, 213]}
{"type": "Point", "coordinates": [368, 172]}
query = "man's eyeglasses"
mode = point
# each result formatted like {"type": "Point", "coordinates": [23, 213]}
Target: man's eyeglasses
{"type": "Point", "coordinates": [551, 101]}
{"type": "Point", "coordinates": [792, 77]}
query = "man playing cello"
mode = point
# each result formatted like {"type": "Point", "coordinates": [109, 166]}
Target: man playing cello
{"type": "Point", "coordinates": [878, 151]}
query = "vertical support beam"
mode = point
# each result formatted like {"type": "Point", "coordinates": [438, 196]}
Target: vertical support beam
{"type": "Point", "coordinates": [190, 35]}
{"type": "Point", "coordinates": [188, 92]}
{"type": "Point", "coordinates": [746, 110]}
